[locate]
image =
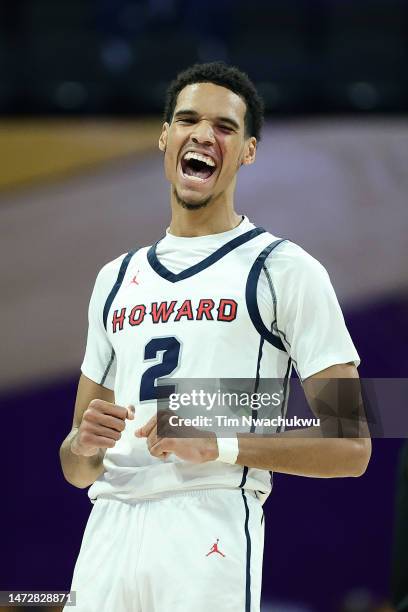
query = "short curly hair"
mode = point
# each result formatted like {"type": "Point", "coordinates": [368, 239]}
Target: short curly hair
{"type": "Point", "coordinates": [230, 77]}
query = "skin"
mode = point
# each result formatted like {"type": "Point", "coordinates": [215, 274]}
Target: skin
{"type": "Point", "coordinates": [299, 452]}
{"type": "Point", "coordinates": [212, 122]}
{"type": "Point", "coordinates": [210, 205]}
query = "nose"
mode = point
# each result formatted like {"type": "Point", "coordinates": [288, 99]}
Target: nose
{"type": "Point", "coordinates": [203, 133]}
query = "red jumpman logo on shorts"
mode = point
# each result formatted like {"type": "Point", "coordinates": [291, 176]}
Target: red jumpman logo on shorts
{"type": "Point", "coordinates": [214, 549]}
{"type": "Point", "coordinates": [134, 280]}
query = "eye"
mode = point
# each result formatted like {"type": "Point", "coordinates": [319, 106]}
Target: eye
{"type": "Point", "coordinates": [226, 128]}
{"type": "Point", "coordinates": [188, 121]}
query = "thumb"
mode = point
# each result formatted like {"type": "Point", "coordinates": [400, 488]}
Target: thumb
{"type": "Point", "coordinates": [130, 412]}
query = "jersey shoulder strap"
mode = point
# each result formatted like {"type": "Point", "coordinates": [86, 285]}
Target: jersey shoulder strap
{"type": "Point", "coordinates": [122, 271]}
{"type": "Point", "coordinates": [251, 295]}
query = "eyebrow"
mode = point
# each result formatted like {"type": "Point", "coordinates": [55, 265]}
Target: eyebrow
{"type": "Point", "coordinates": [191, 113]}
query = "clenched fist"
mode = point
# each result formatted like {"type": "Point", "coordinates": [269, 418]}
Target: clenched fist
{"type": "Point", "coordinates": [101, 427]}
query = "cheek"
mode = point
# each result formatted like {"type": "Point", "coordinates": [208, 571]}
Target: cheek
{"type": "Point", "coordinates": [231, 157]}
{"type": "Point", "coordinates": [231, 148]}
{"type": "Point", "coordinates": [168, 171]}
{"type": "Point", "coordinates": [169, 161]}
{"type": "Point", "coordinates": [174, 144]}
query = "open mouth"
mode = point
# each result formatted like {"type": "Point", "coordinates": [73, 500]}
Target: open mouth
{"type": "Point", "coordinates": [197, 166]}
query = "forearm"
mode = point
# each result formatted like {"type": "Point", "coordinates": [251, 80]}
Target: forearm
{"type": "Point", "coordinates": [305, 456]}
{"type": "Point", "coordinates": [78, 470]}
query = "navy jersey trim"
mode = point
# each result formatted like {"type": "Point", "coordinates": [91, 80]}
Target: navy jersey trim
{"type": "Point", "coordinates": [244, 477]}
{"type": "Point", "coordinates": [275, 323]}
{"type": "Point", "coordinates": [248, 556]}
{"type": "Point", "coordinates": [205, 263]}
{"type": "Point", "coordinates": [108, 367]}
{"type": "Point", "coordinates": [285, 393]}
{"type": "Point", "coordinates": [254, 412]}
{"type": "Point", "coordinates": [117, 285]}
{"type": "Point", "coordinates": [251, 301]}
{"type": "Point", "coordinates": [258, 365]}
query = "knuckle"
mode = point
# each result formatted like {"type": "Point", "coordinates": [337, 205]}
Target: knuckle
{"type": "Point", "coordinates": [85, 438]}
{"type": "Point", "coordinates": [90, 414]}
{"type": "Point", "coordinates": [85, 427]}
{"type": "Point", "coordinates": [85, 416]}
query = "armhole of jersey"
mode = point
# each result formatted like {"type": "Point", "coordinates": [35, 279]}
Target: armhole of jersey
{"type": "Point", "coordinates": [251, 298]}
{"type": "Point", "coordinates": [117, 285]}
{"type": "Point", "coordinates": [108, 367]}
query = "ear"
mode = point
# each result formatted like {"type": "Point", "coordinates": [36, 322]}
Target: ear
{"type": "Point", "coordinates": [163, 137]}
{"type": "Point", "coordinates": [249, 152]}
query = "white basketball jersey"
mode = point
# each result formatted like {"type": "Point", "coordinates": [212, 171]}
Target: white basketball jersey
{"type": "Point", "coordinates": [215, 318]}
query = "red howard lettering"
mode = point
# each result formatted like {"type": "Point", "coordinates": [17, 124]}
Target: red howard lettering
{"type": "Point", "coordinates": [140, 311]}
{"type": "Point", "coordinates": [161, 313]}
{"type": "Point", "coordinates": [227, 310]}
{"type": "Point", "coordinates": [118, 320]}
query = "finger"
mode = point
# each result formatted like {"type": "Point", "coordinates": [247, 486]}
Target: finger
{"type": "Point", "coordinates": [130, 412]}
{"type": "Point", "coordinates": [159, 449]}
{"type": "Point", "coordinates": [95, 417]}
{"type": "Point", "coordinates": [145, 430]}
{"type": "Point", "coordinates": [105, 432]}
{"type": "Point", "coordinates": [163, 425]}
{"type": "Point", "coordinates": [91, 440]}
{"type": "Point", "coordinates": [164, 445]}
{"type": "Point", "coordinates": [109, 408]}
{"type": "Point", "coordinates": [152, 438]}
{"type": "Point", "coordinates": [102, 442]}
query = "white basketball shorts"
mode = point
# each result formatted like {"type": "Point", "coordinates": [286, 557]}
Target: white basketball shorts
{"type": "Point", "coordinates": [197, 551]}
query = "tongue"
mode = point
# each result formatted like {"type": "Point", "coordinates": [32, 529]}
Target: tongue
{"type": "Point", "coordinates": [203, 173]}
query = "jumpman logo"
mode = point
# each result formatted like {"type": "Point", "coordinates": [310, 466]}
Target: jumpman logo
{"type": "Point", "coordinates": [214, 549]}
{"type": "Point", "coordinates": [134, 280]}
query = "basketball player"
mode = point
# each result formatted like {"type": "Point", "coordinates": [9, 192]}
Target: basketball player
{"type": "Point", "coordinates": [215, 298]}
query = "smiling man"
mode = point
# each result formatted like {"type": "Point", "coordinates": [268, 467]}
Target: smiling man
{"type": "Point", "coordinates": [216, 298]}
{"type": "Point", "coordinates": [202, 170]}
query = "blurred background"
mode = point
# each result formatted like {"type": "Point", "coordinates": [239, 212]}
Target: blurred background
{"type": "Point", "coordinates": [81, 181]}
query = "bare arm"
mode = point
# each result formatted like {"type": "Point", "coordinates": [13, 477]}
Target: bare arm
{"type": "Point", "coordinates": [290, 453]}
{"type": "Point", "coordinates": [97, 425]}
{"type": "Point", "coordinates": [299, 452]}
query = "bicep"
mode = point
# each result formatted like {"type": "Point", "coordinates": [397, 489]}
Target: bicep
{"type": "Point", "coordinates": [334, 395]}
{"type": "Point", "coordinates": [87, 391]}
{"type": "Point", "coordinates": [340, 370]}
{"type": "Point", "coordinates": [320, 394]}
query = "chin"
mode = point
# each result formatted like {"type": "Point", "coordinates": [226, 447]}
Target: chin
{"type": "Point", "coordinates": [192, 203]}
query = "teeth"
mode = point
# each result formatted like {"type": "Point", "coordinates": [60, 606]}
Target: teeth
{"type": "Point", "coordinates": [191, 177]}
{"type": "Point", "coordinates": [204, 158]}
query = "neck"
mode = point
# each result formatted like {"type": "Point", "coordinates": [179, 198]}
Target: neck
{"type": "Point", "coordinates": [215, 218]}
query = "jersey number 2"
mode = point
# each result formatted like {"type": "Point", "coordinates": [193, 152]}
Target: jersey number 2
{"type": "Point", "coordinates": [170, 349]}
